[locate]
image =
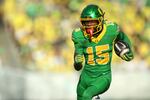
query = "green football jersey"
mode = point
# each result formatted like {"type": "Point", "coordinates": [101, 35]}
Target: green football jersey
{"type": "Point", "coordinates": [98, 52]}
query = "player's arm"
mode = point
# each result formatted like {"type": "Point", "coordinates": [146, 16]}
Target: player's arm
{"type": "Point", "coordinates": [122, 42]}
{"type": "Point", "coordinates": [78, 53]}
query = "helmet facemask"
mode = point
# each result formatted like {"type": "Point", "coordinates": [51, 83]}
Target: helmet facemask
{"type": "Point", "coordinates": [92, 18]}
{"type": "Point", "coordinates": [92, 26]}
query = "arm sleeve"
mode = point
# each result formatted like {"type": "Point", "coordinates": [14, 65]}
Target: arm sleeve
{"type": "Point", "coordinates": [123, 37]}
{"type": "Point", "coordinates": [77, 44]}
{"type": "Point", "coordinates": [78, 49]}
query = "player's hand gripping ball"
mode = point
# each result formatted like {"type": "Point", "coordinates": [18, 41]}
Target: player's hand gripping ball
{"type": "Point", "coordinates": [122, 50]}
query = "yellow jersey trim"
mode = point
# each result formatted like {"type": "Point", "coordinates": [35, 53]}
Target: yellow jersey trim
{"type": "Point", "coordinates": [96, 40]}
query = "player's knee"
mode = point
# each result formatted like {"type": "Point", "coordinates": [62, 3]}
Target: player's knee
{"type": "Point", "coordinates": [105, 89]}
{"type": "Point", "coordinates": [87, 96]}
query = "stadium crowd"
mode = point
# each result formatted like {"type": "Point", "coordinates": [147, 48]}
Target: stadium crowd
{"type": "Point", "coordinates": [42, 29]}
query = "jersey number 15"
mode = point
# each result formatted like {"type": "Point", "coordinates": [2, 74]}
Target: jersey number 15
{"type": "Point", "coordinates": [102, 59]}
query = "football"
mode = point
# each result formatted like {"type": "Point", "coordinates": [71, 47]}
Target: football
{"type": "Point", "coordinates": [121, 48]}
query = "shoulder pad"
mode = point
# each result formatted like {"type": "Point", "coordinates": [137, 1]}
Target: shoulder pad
{"type": "Point", "coordinates": [109, 23]}
{"type": "Point", "coordinates": [77, 30]}
{"type": "Point", "coordinates": [113, 26]}
{"type": "Point", "coordinates": [77, 34]}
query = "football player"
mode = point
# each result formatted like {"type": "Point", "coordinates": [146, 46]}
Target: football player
{"type": "Point", "coordinates": [94, 43]}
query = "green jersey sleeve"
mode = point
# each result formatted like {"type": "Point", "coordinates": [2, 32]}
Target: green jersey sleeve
{"type": "Point", "coordinates": [77, 40]}
{"type": "Point", "coordinates": [123, 37]}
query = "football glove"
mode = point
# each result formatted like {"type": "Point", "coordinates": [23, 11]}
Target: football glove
{"type": "Point", "coordinates": [127, 56]}
{"type": "Point", "coordinates": [78, 62]}
{"type": "Point", "coordinates": [79, 59]}
{"type": "Point", "coordinates": [77, 66]}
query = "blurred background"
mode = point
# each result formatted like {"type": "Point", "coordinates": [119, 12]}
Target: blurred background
{"type": "Point", "coordinates": [36, 51]}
